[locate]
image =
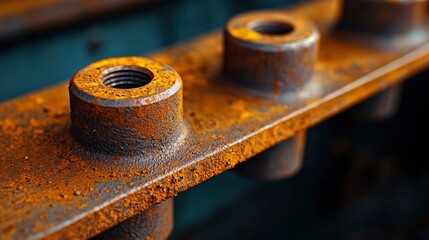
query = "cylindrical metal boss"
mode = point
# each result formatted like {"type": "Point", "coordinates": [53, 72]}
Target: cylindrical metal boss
{"type": "Point", "coordinates": [270, 51]}
{"type": "Point", "coordinates": [154, 223]}
{"type": "Point", "coordinates": [126, 105]}
{"type": "Point", "coordinates": [383, 16]}
{"type": "Point", "coordinates": [272, 54]}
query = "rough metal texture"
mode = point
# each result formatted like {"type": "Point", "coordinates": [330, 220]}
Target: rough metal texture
{"type": "Point", "coordinates": [383, 19]}
{"type": "Point", "coordinates": [19, 17]}
{"type": "Point", "coordinates": [129, 106]}
{"type": "Point", "coordinates": [270, 52]}
{"type": "Point", "coordinates": [383, 16]}
{"type": "Point", "coordinates": [271, 55]}
{"type": "Point", "coordinates": [283, 160]}
{"type": "Point", "coordinates": [47, 190]}
{"type": "Point", "coordinates": [154, 223]}
{"type": "Point", "coordinates": [381, 106]}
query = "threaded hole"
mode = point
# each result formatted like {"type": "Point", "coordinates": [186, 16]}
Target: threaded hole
{"type": "Point", "coordinates": [271, 27]}
{"type": "Point", "coordinates": [126, 77]}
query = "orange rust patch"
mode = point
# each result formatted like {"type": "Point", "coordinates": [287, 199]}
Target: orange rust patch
{"type": "Point", "coordinates": [37, 168]}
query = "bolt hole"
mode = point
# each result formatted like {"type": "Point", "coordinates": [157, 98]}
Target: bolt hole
{"type": "Point", "coordinates": [126, 77]}
{"type": "Point", "coordinates": [272, 27]}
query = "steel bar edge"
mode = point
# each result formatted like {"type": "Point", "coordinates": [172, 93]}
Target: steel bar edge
{"type": "Point", "coordinates": [23, 17]}
{"type": "Point", "coordinates": [50, 190]}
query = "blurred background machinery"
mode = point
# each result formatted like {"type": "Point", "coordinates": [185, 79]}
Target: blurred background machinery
{"type": "Point", "coordinates": [360, 179]}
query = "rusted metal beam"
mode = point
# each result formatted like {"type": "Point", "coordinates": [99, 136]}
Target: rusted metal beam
{"type": "Point", "coordinates": [384, 19]}
{"type": "Point", "coordinates": [19, 17]}
{"type": "Point", "coordinates": [271, 55]}
{"type": "Point", "coordinates": [51, 188]}
{"type": "Point", "coordinates": [154, 223]}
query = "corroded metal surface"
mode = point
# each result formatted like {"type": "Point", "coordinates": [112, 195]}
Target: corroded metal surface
{"type": "Point", "coordinates": [270, 52]}
{"type": "Point", "coordinates": [383, 16]}
{"type": "Point", "coordinates": [126, 107]}
{"type": "Point", "coordinates": [48, 190]}
{"type": "Point", "coordinates": [154, 223]}
{"type": "Point", "coordinates": [129, 111]}
{"type": "Point", "coordinates": [381, 106]}
{"type": "Point", "coordinates": [18, 17]}
{"type": "Point", "coordinates": [271, 55]}
{"type": "Point", "coordinates": [388, 20]}
{"type": "Point", "coordinates": [283, 160]}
